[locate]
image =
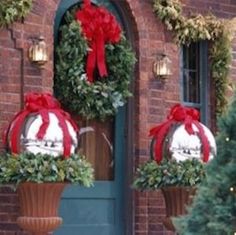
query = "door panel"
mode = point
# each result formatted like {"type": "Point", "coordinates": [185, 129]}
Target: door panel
{"type": "Point", "coordinates": [97, 210]}
{"type": "Point", "coordinates": [96, 143]}
{"type": "Point", "coordinates": [89, 211]}
{"type": "Point", "coordinates": [87, 215]}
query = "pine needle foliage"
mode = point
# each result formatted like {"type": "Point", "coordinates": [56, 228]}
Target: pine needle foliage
{"type": "Point", "coordinates": [213, 211]}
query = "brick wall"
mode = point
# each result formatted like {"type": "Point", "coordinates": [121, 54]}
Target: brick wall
{"type": "Point", "coordinates": [153, 97]}
{"type": "Point", "coordinates": [17, 76]}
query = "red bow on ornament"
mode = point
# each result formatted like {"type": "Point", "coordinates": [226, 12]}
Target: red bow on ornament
{"type": "Point", "coordinates": [99, 27]}
{"type": "Point", "coordinates": [41, 104]}
{"type": "Point", "coordinates": [186, 116]}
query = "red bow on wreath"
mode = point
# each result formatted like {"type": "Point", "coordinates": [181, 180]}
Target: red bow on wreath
{"type": "Point", "coordinates": [188, 117]}
{"type": "Point", "coordinates": [41, 104]}
{"type": "Point", "coordinates": [99, 27]}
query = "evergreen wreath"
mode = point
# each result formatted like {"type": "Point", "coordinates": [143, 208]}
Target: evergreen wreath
{"type": "Point", "coordinates": [12, 10]}
{"type": "Point", "coordinates": [196, 28]}
{"type": "Point", "coordinates": [101, 98]}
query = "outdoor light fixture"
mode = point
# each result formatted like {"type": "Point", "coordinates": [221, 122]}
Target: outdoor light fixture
{"type": "Point", "coordinates": [162, 66]}
{"type": "Point", "coordinates": [38, 51]}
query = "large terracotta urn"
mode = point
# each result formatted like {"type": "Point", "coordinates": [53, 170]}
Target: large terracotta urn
{"type": "Point", "coordinates": [39, 204]}
{"type": "Point", "coordinates": [176, 200]}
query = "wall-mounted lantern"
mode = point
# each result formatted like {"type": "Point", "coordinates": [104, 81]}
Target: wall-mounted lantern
{"type": "Point", "coordinates": [162, 66]}
{"type": "Point", "coordinates": [38, 51]}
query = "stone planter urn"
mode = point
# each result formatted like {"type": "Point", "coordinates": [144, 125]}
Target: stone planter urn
{"type": "Point", "coordinates": [39, 204]}
{"type": "Point", "coordinates": [176, 200]}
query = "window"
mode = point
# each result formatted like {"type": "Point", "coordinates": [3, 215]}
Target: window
{"type": "Point", "coordinates": [96, 143]}
{"type": "Point", "coordinates": [195, 78]}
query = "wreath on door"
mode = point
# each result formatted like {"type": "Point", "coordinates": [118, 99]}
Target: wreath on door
{"type": "Point", "coordinates": [94, 62]}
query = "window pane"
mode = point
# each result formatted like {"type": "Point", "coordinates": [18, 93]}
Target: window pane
{"type": "Point", "coordinates": [191, 86]}
{"type": "Point", "coordinates": [191, 75]}
{"type": "Point", "coordinates": [96, 143]}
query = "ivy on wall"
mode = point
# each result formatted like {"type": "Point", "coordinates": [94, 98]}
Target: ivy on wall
{"type": "Point", "coordinates": [13, 10]}
{"type": "Point", "coordinates": [199, 27]}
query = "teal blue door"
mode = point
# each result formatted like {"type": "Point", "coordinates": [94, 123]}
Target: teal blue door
{"type": "Point", "coordinates": [97, 210]}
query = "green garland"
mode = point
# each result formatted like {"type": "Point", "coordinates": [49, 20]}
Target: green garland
{"type": "Point", "coordinates": [13, 10]}
{"type": "Point", "coordinates": [169, 172]}
{"type": "Point", "coordinates": [196, 28]}
{"type": "Point", "coordinates": [45, 168]}
{"type": "Point", "coordinates": [102, 98]}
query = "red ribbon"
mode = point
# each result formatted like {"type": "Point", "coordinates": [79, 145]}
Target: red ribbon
{"type": "Point", "coordinates": [178, 115]}
{"type": "Point", "coordinates": [99, 26]}
{"type": "Point", "coordinates": [41, 104]}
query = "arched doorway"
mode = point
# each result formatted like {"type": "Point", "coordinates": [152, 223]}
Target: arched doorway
{"type": "Point", "coordinates": [100, 209]}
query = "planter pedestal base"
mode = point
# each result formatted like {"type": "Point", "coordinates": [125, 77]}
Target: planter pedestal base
{"type": "Point", "coordinates": [38, 207]}
{"type": "Point", "coordinates": [176, 200]}
{"type": "Point", "coordinates": [167, 222]}
{"type": "Point", "coordinates": [42, 225]}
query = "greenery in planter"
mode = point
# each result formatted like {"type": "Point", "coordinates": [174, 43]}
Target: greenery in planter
{"type": "Point", "coordinates": [45, 168]}
{"type": "Point", "coordinates": [169, 172]}
{"type": "Point", "coordinates": [218, 31]}
{"type": "Point", "coordinates": [12, 10]}
{"type": "Point", "coordinates": [103, 97]}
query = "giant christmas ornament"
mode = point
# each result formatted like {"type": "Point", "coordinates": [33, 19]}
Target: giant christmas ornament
{"type": "Point", "coordinates": [184, 145]}
{"type": "Point", "coordinates": [182, 137]}
{"type": "Point", "coordinates": [42, 127]}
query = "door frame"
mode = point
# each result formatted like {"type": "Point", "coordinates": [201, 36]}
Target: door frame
{"type": "Point", "coordinates": [131, 119]}
{"type": "Point", "coordinates": [128, 160]}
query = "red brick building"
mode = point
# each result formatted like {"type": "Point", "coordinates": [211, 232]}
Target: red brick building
{"type": "Point", "coordinates": [142, 212]}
